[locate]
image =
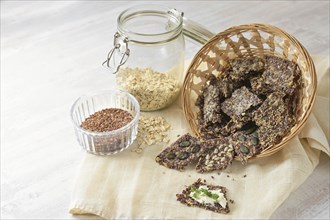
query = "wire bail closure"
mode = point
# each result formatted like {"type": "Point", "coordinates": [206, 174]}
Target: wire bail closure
{"type": "Point", "coordinates": [110, 62]}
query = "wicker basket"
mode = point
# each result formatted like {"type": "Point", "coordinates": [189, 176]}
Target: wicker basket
{"type": "Point", "coordinates": [243, 41]}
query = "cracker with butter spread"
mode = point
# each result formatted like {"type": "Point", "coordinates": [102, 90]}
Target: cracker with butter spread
{"type": "Point", "coordinates": [206, 196]}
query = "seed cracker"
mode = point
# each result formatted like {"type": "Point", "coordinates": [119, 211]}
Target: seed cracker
{"type": "Point", "coordinates": [269, 136]}
{"type": "Point", "coordinates": [241, 100]}
{"type": "Point", "coordinates": [279, 75]}
{"type": "Point", "coordinates": [270, 110]}
{"type": "Point", "coordinates": [242, 68]}
{"type": "Point", "coordinates": [274, 119]}
{"type": "Point", "coordinates": [218, 156]}
{"type": "Point", "coordinates": [185, 150]}
{"type": "Point", "coordinates": [245, 145]}
{"type": "Point", "coordinates": [212, 110]}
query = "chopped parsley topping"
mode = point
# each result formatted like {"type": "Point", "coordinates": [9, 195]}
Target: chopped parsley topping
{"type": "Point", "coordinates": [203, 192]}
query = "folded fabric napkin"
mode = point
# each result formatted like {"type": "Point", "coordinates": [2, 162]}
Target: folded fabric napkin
{"type": "Point", "coordinates": [131, 185]}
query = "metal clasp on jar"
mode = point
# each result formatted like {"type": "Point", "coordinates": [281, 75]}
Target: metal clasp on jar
{"type": "Point", "coordinates": [120, 47]}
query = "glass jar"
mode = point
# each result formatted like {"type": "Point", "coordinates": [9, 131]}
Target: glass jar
{"type": "Point", "coordinates": [148, 54]}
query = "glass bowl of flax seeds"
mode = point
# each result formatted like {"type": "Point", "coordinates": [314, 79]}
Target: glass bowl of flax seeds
{"type": "Point", "coordinates": [105, 122]}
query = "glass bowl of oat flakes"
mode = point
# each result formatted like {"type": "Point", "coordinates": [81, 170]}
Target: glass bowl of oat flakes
{"type": "Point", "coordinates": [105, 122]}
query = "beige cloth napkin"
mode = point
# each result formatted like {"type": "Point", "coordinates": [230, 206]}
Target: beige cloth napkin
{"type": "Point", "coordinates": [131, 185]}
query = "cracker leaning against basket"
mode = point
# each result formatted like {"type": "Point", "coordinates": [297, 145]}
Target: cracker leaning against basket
{"type": "Point", "coordinates": [253, 85]}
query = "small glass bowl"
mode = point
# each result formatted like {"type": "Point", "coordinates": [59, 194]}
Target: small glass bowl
{"type": "Point", "coordinates": [105, 143]}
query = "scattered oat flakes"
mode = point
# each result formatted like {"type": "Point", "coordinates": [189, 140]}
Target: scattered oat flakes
{"type": "Point", "coordinates": [151, 130]}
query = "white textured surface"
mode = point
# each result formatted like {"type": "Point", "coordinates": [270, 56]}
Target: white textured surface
{"type": "Point", "coordinates": [51, 53]}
